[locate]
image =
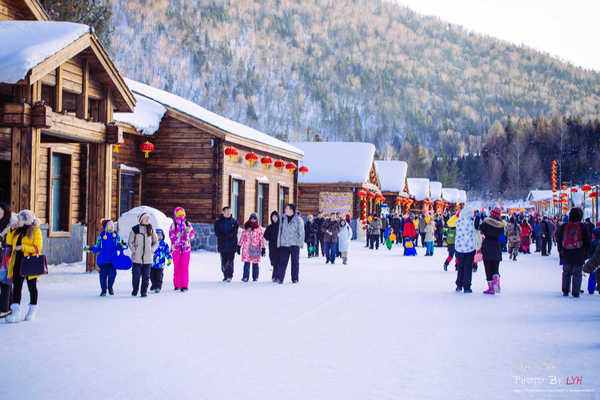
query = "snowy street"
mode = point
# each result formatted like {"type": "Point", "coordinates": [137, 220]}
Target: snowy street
{"type": "Point", "coordinates": [383, 327]}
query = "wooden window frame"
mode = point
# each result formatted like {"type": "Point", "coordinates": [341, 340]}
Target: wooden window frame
{"type": "Point", "coordinates": [138, 175]}
{"type": "Point", "coordinates": [279, 199]}
{"type": "Point", "coordinates": [265, 206]}
{"type": "Point", "coordinates": [67, 233]}
{"type": "Point", "coordinates": [241, 197]}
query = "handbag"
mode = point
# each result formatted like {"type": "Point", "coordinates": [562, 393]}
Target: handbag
{"type": "Point", "coordinates": [253, 251]}
{"type": "Point", "coordinates": [478, 257]}
{"type": "Point", "coordinates": [122, 261]}
{"type": "Point", "coordinates": [34, 265]}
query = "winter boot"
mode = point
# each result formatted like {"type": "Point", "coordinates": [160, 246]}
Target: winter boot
{"type": "Point", "coordinates": [496, 283]}
{"type": "Point", "coordinates": [15, 316]}
{"type": "Point", "coordinates": [31, 312]}
{"type": "Point", "coordinates": [103, 293]}
{"type": "Point", "coordinates": [446, 265]}
{"type": "Point", "coordinates": [490, 288]}
{"type": "Point", "coordinates": [111, 291]}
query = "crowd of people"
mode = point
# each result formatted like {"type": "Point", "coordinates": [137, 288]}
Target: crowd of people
{"type": "Point", "coordinates": [470, 236]}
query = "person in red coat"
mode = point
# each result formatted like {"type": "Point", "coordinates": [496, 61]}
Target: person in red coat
{"type": "Point", "coordinates": [410, 235]}
{"type": "Point", "coordinates": [252, 247]}
{"type": "Point", "coordinates": [526, 232]}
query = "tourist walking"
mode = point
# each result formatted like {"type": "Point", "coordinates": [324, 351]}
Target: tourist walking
{"type": "Point", "coordinates": [8, 223]}
{"type": "Point", "coordinates": [344, 238]}
{"type": "Point", "coordinates": [290, 240]}
{"type": "Point", "coordinates": [465, 249]}
{"type": "Point", "coordinates": [181, 234]}
{"type": "Point", "coordinates": [492, 229]}
{"type": "Point", "coordinates": [310, 236]}
{"type": "Point", "coordinates": [450, 239]}
{"type": "Point", "coordinates": [107, 246]}
{"type": "Point", "coordinates": [162, 257]}
{"type": "Point", "coordinates": [429, 235]}
{"type": "Point", "coordinates": [513, 236]}
{"type": "Point", "coordinates": [271, 236]}
{"type": "Point", "coordinates": [331, 228]}
{"type": "Point", "coordinates": [226, 229]}
{"type": "Point", "coordinates": [573, 241]}
{"type": "Point", "coordinates": [252, 247]}
{"type": "Point", "coordinates": [142, 242]}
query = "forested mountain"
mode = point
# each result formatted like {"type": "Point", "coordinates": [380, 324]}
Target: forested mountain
{"type": "Point", "coordinates": [370, 70]}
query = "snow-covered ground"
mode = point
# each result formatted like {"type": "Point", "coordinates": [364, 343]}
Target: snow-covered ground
{"type": "Point", "coordinates": [384, 327]}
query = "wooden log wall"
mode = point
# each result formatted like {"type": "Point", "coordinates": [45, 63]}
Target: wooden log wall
{"type": "Point", "coordinates": [129, 154]}
{"type": "Point", "coordinates": [5, 143]}
{"type": "Point", "coordinates": [181, 171]}
{"type": "Point", "coordinates": [11, 10]}
{"type": "Point", "coordinates": [240, 169]}
{"type": "Point", "coordinates": [308, 200]}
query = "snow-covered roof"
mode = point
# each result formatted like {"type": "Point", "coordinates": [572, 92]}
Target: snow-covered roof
{"type": "Point", "coordinates": [435, 191]}
{"type": "Point", "coordinates": [194, 110]}
{"type": "Point", "coordinates": [539, 195]}
{"type": "Point", "coordinates": [25, 44]}
{"type": "Point", "coordinates": [450, 195]}
{"type": "Point", "coordinates": [392, 175]}
{"type": "Point", "coordinates": [462, 196]}
{"type": "Point", "coordinates": [418, 188]}
{"type": "Point", "coordinates": [145, 117]}
{"type": "Point", "coordinates": [336, 162]}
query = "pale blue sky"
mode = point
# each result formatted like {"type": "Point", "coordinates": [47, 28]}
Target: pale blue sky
{"type": "Point", "coordinates": [569, 29]}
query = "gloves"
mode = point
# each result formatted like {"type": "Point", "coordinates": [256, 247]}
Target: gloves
{"type": "Point", "coordinates": [263, 252]}
{"type": "Point", "coordinates": [238, 250]}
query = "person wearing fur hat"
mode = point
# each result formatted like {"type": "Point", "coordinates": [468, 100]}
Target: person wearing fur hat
{"type": "Point", "coordinates": [162, 257]}
{"type": "Point", "coordinates": [492, 230]}
{"type": "Point", "coordinates": [252, 247]}
{"type": "Point", "coordinates": [107, 246]}
{"type": "Point", "coordinates": [26, 241]}
{"type": "Point", "coordinates": [181, 234]}
{"type": "Point", "coordinates": [8, 223]}
{"type": "Point", "coordinates": [143, 242]}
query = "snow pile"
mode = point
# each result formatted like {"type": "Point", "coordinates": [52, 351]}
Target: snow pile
{"type": "Point", "coordinates": [336, 162]}
{"type": "Point", "coordinates": [435, 191]}
{"type": "Point", "coordinates": [196, 111]}
{"type": "Point", "coordinates": [130, 219]}
{"type": "Point", "coordinates": [146, 116]}
{"type": "Point", "coordinates": [25, 44]}
{"type": "Point", "coordinates": [462, 196]}
{"type": "Point", "coordinates": [418, 188]}
{"type": "Point", "coordinates": [450, 195]}
{"type": "Point", "coordinates": [539, 195]}
{"type": "Point", "coordinates": [392, 175]}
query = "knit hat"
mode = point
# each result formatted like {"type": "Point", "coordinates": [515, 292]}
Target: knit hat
{"type": "Point", "coordinates": [105, 222]}
{"type": "Point", "coordinates": [28, 217]}
{"type": "Point", "coordinates": [253, 215]}
{"type": "Point", "coordinates": [179, 212]}
{"type": "Point", "coordinates": [142, 216]}
{"type": "Point", "coordinates": [496, 212]}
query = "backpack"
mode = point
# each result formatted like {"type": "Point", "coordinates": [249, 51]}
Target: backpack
{"type": "Point", "coordinates": [572, 237]}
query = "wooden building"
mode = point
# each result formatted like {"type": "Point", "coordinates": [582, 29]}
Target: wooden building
{"type": "Point", "coordinates": [202, 161]}
{"type": "Point", "coordinates": [58, 92]}
{"type": "Point", "coordinates": [392, 179]}
{"type": "Point", "coordinates": [338, 171]}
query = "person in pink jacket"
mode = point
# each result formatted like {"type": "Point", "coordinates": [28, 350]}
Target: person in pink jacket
{"type": "Point", "coordinates": [252, 247]}
{"type": "Point", "coordinates": [181, 234]}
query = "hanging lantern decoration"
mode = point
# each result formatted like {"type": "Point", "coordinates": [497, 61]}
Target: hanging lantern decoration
{"type": "Point", "coordinates": [363, 194]}
{"type": "Point", "coordinates": [116, 147]}
{"type": "Point", "coordinates": [279, 164]}
{"type": "Point", "coordinates": [564, 195]}
{"type": "Point", "coordinates": [303, 170]}
{"type": "Point", "coordinates": [554, 176]}
{"type": "Point", "coordinates": [231, 152]}
{"type": "Point", "coordinates": [586, 188]}
{"type": "Point", "coordinates": [266, 161]}
{"type": "Point", "coordinates": [563, 188]}
{"type": "Point", "coordinates": [147, 148]}
{"type": "Point", "coordinates": [251, 158]}
{"type": "Point", "coordinates": [379, 199]}
{"type": "Point", "coordinates": [574, 190]}
{"type": "Point", "coordinates": [593, 195]}
{"type": "Point", "coordinates": [291, 167]}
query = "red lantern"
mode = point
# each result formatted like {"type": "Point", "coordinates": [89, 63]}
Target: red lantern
{"type": "Point", "coordinates": [291, 167]}
{"type": "Point", "coordinates": [371, 195]}
{"type": "Point", "coordinates": [251, 158]}
{"type": "Point", "coordinates": [563, 188]}
{"type": "Point", "coordinates": [266, 161]}
{"type": "Point", "coordinates": [303, 170]}
{"type": "Point", "coordinates": [231, 152]}
{"type": "Point", "coordinates": [593, 195]}
{"type": "Point", "coordinates": [116, 147]}
{"type": "Point", "coordinates": [574, 190]}
{"type": "Point", "coordinates": [586, 188]}
{"type": "Point", "coordinates": [362, 193]}
{"type": "Point", "coordinates": [147, 148]}
{"type": "Point", "coordinates": [279, 164]}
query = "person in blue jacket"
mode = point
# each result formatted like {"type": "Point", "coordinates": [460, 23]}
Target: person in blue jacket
{"type": "Point", "coordinates": [107, 247]}
{"type": "Point", "coordinates": [162, 256]}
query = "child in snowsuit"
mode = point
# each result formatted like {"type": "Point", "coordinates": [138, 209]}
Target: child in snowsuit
{"type": "Point", "coordinates": [387, 236]}
{"type": "Point", "coordinates": [162, 256]}
{"type": "Point", "coordinates": [450, 240]}
{"type": "Point", "coordinates": [181, 234]}
{"type": "Point", "coordinates": [107, 246]}
{"type": "Point", "coordinates": [252, 247]}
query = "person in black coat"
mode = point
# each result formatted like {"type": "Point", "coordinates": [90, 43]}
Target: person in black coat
{"type": "Point", "coordinates": [573, 241]}
{"type": "Point", "coordinates": [439, 231]}
{"type": "Point", "coordinates": [397, 227]}
{"type": "Point", "coordinates": [546, 230]}
{"type": "Point", "coordinates": [492, 229]}
{"type": "Point", "coordinates": [310, 236]}
{"type": "Point", "coordinates": [319, 226]}
{"type": "Point", "coordinates": [226, 229]}
{"type": "Point", "coordinates": [271, 236]}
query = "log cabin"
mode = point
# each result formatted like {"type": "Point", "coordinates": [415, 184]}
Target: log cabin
{"type": "Point", "coordinates": [418, 191]}
{"type": "Point", "coordinates": [392, 178]}
{"type": "Point", "coordinates": [58, 92]}
{"type": "Point", "coordinates": [202, 162]}
{"type": "Point", "coordinates": [338, 172]}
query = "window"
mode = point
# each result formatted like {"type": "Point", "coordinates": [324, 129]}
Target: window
{"type": "Point", "coordinates": [237, 199]}
{"type": "Point", "coordinates": [48, 96]}
{"type": "Point", "coordinates": [283, 198]}
{"type": "Point", "coordinates": [94, 110]}
{"type": "Point", "coordinates": [128, 190]}
{"type": "Point", "coordinates": [60, 193]}
{"type": "Point", "coordinates": [69, 102]}
{"type": "Point", "coordinates": [262, 202]}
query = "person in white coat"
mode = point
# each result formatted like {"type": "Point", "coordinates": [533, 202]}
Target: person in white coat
{"type": "Point", "coordinates": [344, 237]}
{"type": "Point", "coordinates": [465, 249]}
